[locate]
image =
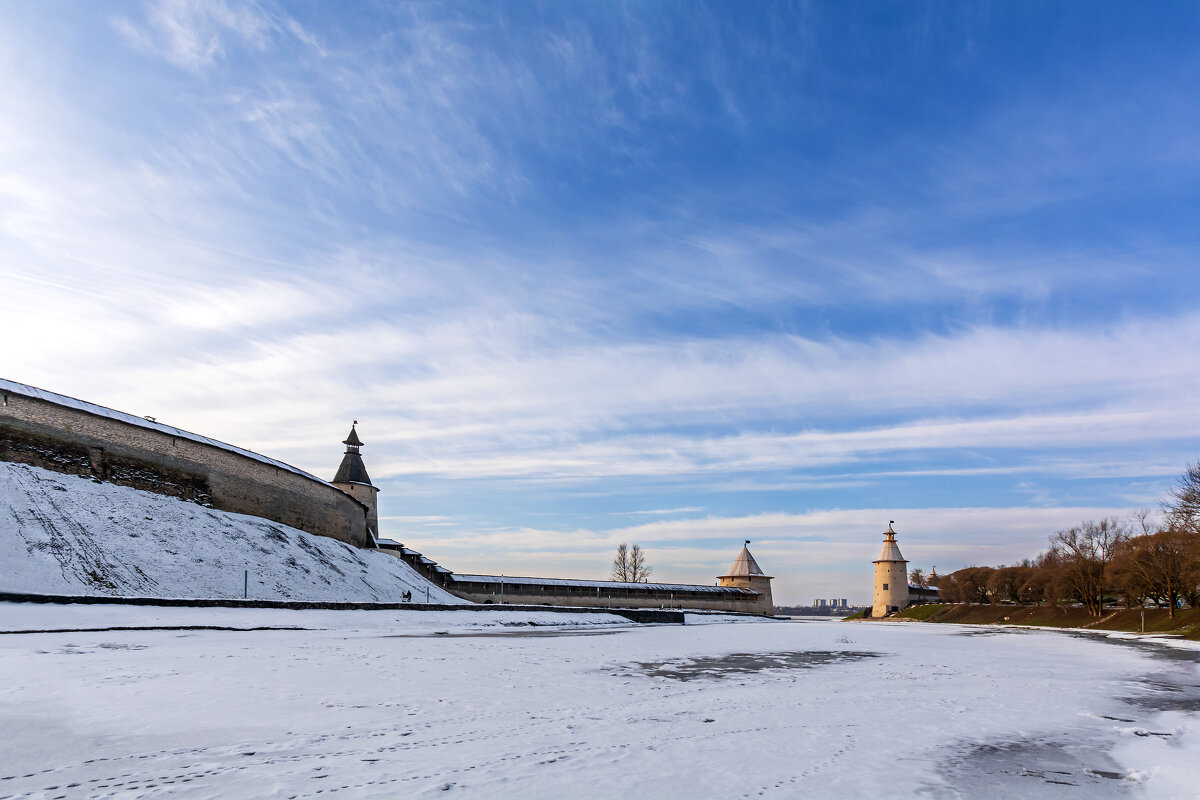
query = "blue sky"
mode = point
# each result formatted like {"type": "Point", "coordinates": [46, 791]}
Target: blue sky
{"type": "Point", "coordinates": [672, 273]}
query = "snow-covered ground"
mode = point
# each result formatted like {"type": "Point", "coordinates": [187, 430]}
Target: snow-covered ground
{"type": "Point", "coordinates": [460, 704]}
{"type": "Point", "coordinates": [471, 619]}
{"type": "Point", "coordinates": [61, 534]}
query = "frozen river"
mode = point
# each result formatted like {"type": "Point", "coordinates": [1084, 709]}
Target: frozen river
{"type": "Point", "coordinates": [449, 704]}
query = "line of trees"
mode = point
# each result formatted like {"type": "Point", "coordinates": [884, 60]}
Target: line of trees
{"type": "Point", "coordinates": [1134, 560]}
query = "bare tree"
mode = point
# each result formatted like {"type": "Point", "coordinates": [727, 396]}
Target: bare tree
{"type": "Point", "coordinates": [1143, 519]}
{"type": "Point", "coordinates": [967, 585]}
{"type": "Point", "coordinates": [620, 567]}
{"type": "Point", "coordinates": [1085, 551]}
{"type": "Point", "coordinates": [1127, 573]}
{"type": "Point", "coordinates": [630, 564]}
{"type": "Point", "coordinates": [973, 584]}
{"type": "Point", "coordinates": [917, 578]}
{"type": "Point", "coordinates": [1005, 584]}
{"type": "Point", "coordinates": [1183, 508]}
{"type": "Point", "coordinates": [1159, 565]}
{"type": "Point", "coordinates": [639, 570]}
{"type": "Point", "coordinates": [1033, 590]}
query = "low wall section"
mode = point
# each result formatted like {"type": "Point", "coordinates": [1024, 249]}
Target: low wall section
{"type": "Point", "coordinates": [583, 594]}
{"type": "Point", "coordinates": [66, 435]}
{"type": "Point", "coordinates": [584, 597]}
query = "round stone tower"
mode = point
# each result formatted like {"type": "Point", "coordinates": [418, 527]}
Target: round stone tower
{"type": "Point", "coordinates": [352, 479]}
{"type": "Point", "coordinates": [746, 574]}
{"type": "Point", "coordinates": [891, 578]}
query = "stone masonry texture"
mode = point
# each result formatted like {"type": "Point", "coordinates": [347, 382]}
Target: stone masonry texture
{"type": "Point", "coordinates": [63, 439]}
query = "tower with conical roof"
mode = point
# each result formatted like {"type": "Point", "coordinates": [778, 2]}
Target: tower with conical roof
{"type": "Point", "coordinates": [352, 479]}
{"type": "Point", "coordinates": [746, 574]}
{"type": "Point", "coordinates": [891, 577]}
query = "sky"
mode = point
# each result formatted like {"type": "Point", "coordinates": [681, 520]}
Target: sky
{"type": "Point", "coordinates": [679, 274]}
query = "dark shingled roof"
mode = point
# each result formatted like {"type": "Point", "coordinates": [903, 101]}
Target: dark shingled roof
{"type": "Point", "coordinates": [352, 470]}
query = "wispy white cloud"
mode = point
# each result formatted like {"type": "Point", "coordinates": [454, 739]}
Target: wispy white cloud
{"type": "Point", "coordinates": [189, 33]}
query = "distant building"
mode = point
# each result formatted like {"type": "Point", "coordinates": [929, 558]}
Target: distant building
{"type": "Point", "coordinates": [744, 588]}
{"type": "Point", "coordinates": [918, 595]}
{"type": "Point", "coordinates": [891, 578]}
{"type": "Point", "coordinates": [746, 574]}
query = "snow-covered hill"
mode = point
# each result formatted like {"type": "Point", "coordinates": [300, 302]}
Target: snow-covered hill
{"type": "Point", "coordinates": [60, 534]}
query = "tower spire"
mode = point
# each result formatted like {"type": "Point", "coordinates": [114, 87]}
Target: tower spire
{"type": "Point", "coordinates": [352, 469]}
{"type": "Point", "coordinates": [352, 478]}
{"type": "Point", "coordinates": [891, 550]}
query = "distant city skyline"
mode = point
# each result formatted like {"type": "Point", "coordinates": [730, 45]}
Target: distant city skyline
{"type": "Point", "coordinates": [674, 274]}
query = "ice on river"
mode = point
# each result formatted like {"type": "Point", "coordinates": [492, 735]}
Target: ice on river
{"type": "Point", "coordinates": [484, 705]}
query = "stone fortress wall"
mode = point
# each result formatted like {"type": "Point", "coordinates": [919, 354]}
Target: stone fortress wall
{"type": "Point", "coordinates": [72, 436]}
{"type": "Point", "coordinates": [743, 589]}
{"type": "Point", "coordinates": [67, 435]}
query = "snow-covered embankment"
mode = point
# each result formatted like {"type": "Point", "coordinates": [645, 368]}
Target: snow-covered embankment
{"type": "Point", "coordinates": [61, 534]}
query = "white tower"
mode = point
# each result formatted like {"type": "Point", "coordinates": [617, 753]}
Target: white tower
{"type": "Point", "coordinates": [891, 577]}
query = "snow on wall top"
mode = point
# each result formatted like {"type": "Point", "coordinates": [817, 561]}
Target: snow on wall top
{"type": "Point", "coordinates": [658, 587]}
{"type": "Point", "coordinates": [13, 387]}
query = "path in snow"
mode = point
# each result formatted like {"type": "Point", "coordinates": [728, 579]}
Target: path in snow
{"type": "Point", "coordinates": [378, 705]}
{"type": "Point", "coordinates": [62, 534]}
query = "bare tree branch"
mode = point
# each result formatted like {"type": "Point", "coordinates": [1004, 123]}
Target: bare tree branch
{"type": "Point", "coordinates": [620, 565]}
{"type": "Point", "coordinates": [639, 570]}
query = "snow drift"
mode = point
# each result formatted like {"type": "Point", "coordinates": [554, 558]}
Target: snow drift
{"type": "Point", "coordinates": [61, 534]}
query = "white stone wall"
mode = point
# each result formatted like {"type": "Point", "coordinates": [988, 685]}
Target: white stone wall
{"type": "Point", "coordinates": [894, 576]}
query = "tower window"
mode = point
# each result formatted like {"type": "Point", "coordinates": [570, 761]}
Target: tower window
{"type": "Point", "coordinates": [885, 587]}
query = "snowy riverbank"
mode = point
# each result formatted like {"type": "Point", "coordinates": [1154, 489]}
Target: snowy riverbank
{"type": "Point", "coordinates": [37, 616]}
